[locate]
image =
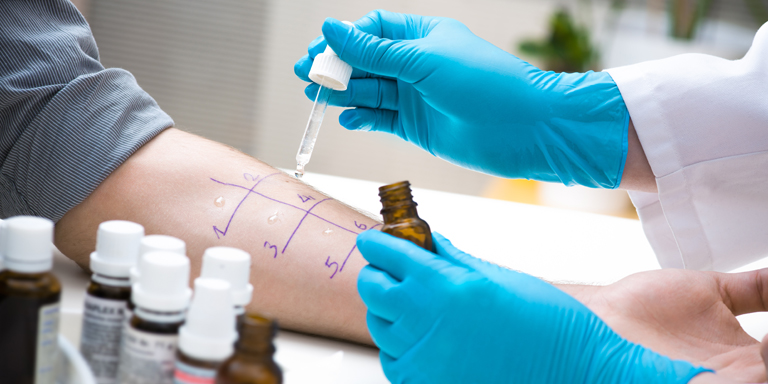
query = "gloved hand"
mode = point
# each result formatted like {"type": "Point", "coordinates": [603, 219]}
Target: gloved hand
{"type": "Point", "coordinates": [452, 318]}
{"type": "Point", "coordinates": [432, 82]}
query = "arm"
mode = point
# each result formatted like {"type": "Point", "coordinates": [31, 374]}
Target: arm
{"type": "Point", "coordinates": [710, 378]}
{"type": "Point", "coordinates": [637, 175]}
{"type": "Point", "coordinates": [701, 121]}
{"type": "Point", "coordinates": [304, 264]}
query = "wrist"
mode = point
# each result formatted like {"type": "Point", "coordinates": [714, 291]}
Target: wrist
{"type": "Point", "coordinates": [588, 125]}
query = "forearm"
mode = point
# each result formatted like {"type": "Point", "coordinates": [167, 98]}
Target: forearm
{"type": "Point", "coordinates": [710, 378]}
{"type": "Point", "coordinates": [305, 264]}
{"type": "Point", "coordinates": [637, 175]}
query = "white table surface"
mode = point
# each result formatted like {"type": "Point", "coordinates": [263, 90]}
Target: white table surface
{"type": "Point", "coordinates": [555, 244]}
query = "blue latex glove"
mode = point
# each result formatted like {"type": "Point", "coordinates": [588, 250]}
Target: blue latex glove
{"type": "Point", "coordinates": [452, 318]}
{"type": "Point", "coordinates": [432, 82]}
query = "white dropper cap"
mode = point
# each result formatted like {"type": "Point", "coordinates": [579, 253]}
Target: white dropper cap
{"type": "Point", "coordinates": [209, 331]}
{"type": "Point", "coordinates": [28, 244]}
{"type": "Point", "coordinates": [117, 248]}
{"type": "Point", "coordinates": [232, 265]}
{"type": "Point", "coordinates": [164, 283]}
{"type": "Point", "coordinates": [329, 70]}
{"type": "Point", "coordinates": [152, 243]}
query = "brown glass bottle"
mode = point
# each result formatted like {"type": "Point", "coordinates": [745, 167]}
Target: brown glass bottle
{"type": "Point", "coordinates": [400, 216]}
{"type": "Point", "coordinates": [104, 317]}
{"type": "Point", "coordinates": [253, 361]}
{"type": "Point", "coordinates": [24, 299]}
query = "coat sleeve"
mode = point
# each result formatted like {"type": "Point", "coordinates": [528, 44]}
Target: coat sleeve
{"type": "Point", "coordinates": [66, 122]}
{"type": "Point", "coordinates": [703, 124]}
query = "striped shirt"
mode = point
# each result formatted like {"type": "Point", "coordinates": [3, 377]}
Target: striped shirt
{"type": "Point", "coordinates": [66, 122]}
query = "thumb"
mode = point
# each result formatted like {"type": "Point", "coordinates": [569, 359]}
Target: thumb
{"type": "Point", "coordinates": [764, 351]}
{"type": "Point", "coordinates": [744, 292]}
{"type": "Point", "coordinates": [384, 57]}
{"type": "Point", "coordinates": [445, 248]}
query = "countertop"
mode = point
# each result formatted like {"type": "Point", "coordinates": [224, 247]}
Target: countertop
{"type": "Point", "coordinates": [554, 244]}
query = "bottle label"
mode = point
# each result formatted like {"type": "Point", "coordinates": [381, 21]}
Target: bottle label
{"type": "Point", "coordinates": [147, 357]}
{"type": "Point", "coordinates": [47, 344]}
{"type": "Point", "coordinates": [187, 374]}
{"type": "Point", "coordinates": [103, 322]}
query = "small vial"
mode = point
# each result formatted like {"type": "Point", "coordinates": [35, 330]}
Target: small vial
{"type": "Point", "coordinates": [253, 361]}
{"type": "Point", "coordinates": [29, 303]}
{"type": "Point", "coordinates": [148, 352]}
{"type": "Point", "coordinates": [207, 337]}
{"type": "Point", "coordinates": [153, 243]}
{"type": "Point", "coordinates": [234, 266]}
{"type": "Point", "coordinates": [400, 216]}
{"type": "Point", "coordinates": [108, 295]}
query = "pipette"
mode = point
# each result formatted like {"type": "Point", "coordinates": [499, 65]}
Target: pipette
{"type": "Point", "coordinates": [313, 128]}
{"type": "Point", "coordinates": [331, 73]}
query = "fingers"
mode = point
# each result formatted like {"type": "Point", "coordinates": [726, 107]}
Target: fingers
{"type": "Point", "coordinates": [745, 292]}
{"type": "Point", "coordinates": [445, 248]}
{"type": "Point", "coordinates": [389, 25]}
{"type": "Point", "coordinates": [302, 67]}
{"type": "Point", "coordinates": [316, 47]}
{"type": "Point", "coordinates": [386, 337]}
{"type": "Point", "coordinates": [764, 351]}
{"type": "Point", "coordinates": [385, 57]}
{"type": "Point", "coordinates": [368, 93]}
{"type": "Point", "coordinates": [379, 293]}
{"type": "Point", "coordinates": [366, 119]}
{"type": "Point", "coordinates": [398, 257]}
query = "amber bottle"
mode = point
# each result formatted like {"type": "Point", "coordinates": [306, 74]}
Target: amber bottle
{"type": "Point", "coordinates": [253, 361]}
{"type": "Point", "coordinates": [108, 294]}
{"type": "Point", "coordinates": [29, 303]}
{"type": "Point", "coordinates": [400, 216]}
{"type": "Point", "coordinates": [148, 348]}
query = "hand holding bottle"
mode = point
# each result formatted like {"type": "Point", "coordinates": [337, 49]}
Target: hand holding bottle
{"type": "Point", "coordinates": [452, 318]}
{"type": "Point", "coordinates": [432, 82]}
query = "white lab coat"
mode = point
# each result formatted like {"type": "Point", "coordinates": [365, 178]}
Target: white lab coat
{"type": "Point", "coordinates": [703, 124]}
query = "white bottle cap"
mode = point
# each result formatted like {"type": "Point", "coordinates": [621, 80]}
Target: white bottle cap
{"type": "Point", "coordinates": [164, 283]}
{"type": "Point", "coordinates": [330, 71]}
{"type": "Point", "coordinates": [154, 243]}
{"type": "Point", "coordinates": [117, 248]}
{"type": "Point", "coordinates": [209, 331]}
{"type": "Point", "coordinates": [232, 265]}
{"type": "Point", "coordinates": [28, 244]}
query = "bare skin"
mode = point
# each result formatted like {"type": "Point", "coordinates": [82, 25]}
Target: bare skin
{"type": "Point", "coordinates": [687, 315]}
{"type": "Point", "coordinates": [166, 186]}
{"type": "Point", "coordinates": [637, 175]}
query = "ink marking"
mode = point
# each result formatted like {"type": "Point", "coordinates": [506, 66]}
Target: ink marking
{"type": "Point", "coordinates": [332, 264]}
{"type": "Point", "coordinates": [272, 247]}
{"type": "Point", "coordinates": [305, 198]}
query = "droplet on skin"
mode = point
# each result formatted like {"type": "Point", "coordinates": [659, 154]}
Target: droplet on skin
{"type": "Point", "coordinates": [327, 231]}
{"type": "Point", "coordinates": [272, 219]}
{"type": "Point", "coordinates": [219, 202]}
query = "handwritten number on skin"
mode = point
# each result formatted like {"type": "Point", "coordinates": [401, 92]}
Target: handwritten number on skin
{"type": "Point", "coordinates": [250, 177]}
{"type": "Point", "coordinates": [273, 247]}
{"type": "Point", "coordinates": [361, 226]}
{"type": "Point", "coordinates": [334, 264]}
{"type": "Point", "coordinates": [305, 198]}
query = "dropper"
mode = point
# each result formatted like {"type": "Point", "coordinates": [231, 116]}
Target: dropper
{"type": "Point", "coordinates": [331, 73]}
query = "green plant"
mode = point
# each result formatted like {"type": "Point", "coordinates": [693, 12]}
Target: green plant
{"type": "Point", "coordinates": [567, 48]}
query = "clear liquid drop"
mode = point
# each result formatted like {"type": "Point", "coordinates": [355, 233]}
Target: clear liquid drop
{"type": "Point", "coordinates": [273, 219]}
{"type": "Point", "coordinates": [327, 231]}
{"type": "Point", "coordinates": [219, 202]}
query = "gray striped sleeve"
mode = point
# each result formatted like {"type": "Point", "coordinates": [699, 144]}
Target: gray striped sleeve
{"type": "Point", "coordinates": [65, 122]}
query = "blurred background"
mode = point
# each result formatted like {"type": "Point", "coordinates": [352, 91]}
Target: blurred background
{"type": "Point", "coordinates": [223, 69]}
